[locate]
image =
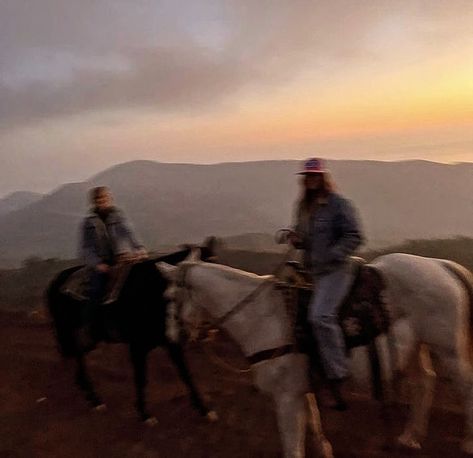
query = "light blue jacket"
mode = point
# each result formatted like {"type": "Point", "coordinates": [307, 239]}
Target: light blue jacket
{"type": "Point", "coordinates": [102, 242]}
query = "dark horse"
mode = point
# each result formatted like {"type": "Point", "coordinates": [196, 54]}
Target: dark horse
{"type": "Point", "coordinates": [140, 316]}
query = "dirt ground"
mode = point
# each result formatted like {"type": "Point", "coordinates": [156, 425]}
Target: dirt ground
{"type": "Point", "coordinates": [42, 414]}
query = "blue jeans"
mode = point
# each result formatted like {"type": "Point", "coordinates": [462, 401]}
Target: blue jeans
{"type": "Point", "coordinates": [96, 291]}
{"type": "Point", "coordinates": [329, 292]}
{"type": "Point", "coordinates": [97, 286]}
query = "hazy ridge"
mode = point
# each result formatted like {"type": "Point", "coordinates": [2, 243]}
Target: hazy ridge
{"type": "Point", "coordinates": [175, 203]}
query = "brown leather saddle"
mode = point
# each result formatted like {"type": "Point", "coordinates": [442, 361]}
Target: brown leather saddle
{"type": "Point", "coordinates": [77, 285]}
{"type": "Point", "coordinates": [363, 314]}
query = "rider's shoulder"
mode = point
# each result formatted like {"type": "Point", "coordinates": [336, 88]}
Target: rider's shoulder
{"type": "Point", "coordinates": [116, 215]}
{"type": "Point", "coordinates": [341, 201]}
{"type": "Point", "coordinates": [89, 219]}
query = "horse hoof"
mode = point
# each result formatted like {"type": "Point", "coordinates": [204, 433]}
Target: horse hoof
{"type": "Point", "coordinates": [407, 441]}
{"type": "Point", "coordinates": [212, 416]}
{"type": "Point", "coordinates": [151, 421]}
{"type": "Point", "coordinates": [101, 408]}
{"type": "Point", "coordinates": [327, 451]}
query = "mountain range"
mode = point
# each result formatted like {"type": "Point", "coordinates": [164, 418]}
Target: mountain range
{"type": "Point", "coordinates": [176, 203]}
{"type": "Point", "coordinates": [18, 200]}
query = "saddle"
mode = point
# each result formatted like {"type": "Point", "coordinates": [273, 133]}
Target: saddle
{"type": "Point", "coordinates": [77, 285]}
{"type": "Point", "coordinates": [363, 314]}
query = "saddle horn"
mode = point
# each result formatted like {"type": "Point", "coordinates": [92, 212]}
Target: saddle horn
{"type": "Point", "coordinates": [194, 255]}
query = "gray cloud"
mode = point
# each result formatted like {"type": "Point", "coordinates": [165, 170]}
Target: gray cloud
{"type": "Point", "coordinates": [63, 57]}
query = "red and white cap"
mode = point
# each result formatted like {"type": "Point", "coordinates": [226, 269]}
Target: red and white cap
{"type": "Point", "coordinates": [313, 165]}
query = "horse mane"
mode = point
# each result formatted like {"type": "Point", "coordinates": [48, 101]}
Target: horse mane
{"type": "Point", "coordinates": [230, 273]}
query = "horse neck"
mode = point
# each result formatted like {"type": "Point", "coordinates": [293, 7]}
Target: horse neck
{"type": "Point", "coordinates": [259, 325]}
{"type": "Point", "coordinates": [222, 287]}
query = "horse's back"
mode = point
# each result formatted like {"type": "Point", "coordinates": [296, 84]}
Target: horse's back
{"type": "Point", "coordinates": [415, 273]}
{"type": "Point", "coordinates": [427, 291]}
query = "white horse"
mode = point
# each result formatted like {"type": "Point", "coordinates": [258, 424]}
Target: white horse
{"type": "Point", "coordinates": [253, 312]}
{"type": "Point", "coordinates": [429, 303]}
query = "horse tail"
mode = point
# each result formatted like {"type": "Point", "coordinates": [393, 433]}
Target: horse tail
{"type": "Point", "coordinates": [466, 278]}
{"type": "Point", "coordinates": [62, 316]}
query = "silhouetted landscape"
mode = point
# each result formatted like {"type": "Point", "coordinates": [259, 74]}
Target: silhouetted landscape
{"type": "Point", "coordinates": [23, 289]}
{"type": "Point", "coordinates": [176, 203]}
{"type": "Point", "coordinates": [45, 415]}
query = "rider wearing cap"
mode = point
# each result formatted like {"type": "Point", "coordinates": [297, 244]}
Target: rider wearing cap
{"type": "Point", "coordinates": [328, 229]}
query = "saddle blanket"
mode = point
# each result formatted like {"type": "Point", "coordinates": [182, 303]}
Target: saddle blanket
{"type": "Point", "coordinates": [363, 314]}
{"type": "Point", "coordinates": [77, 285]}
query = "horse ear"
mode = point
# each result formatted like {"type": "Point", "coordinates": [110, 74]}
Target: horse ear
{"type": "Point", "coordinates": [194, 255]}
{"type": "Point", "coordinates": [211, 249]}
{"type": "Point", "coordinates": [167, 270]}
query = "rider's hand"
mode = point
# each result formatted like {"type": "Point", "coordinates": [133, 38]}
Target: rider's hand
{"type": "Point", "coordinates": [103, 268]}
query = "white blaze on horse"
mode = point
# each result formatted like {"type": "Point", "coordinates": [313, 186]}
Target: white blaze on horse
{"type": "Point", "coordinates": [253, 312]}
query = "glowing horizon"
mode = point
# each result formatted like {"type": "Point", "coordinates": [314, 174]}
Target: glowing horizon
{"type": "Point", "coordinates": [232, 81]}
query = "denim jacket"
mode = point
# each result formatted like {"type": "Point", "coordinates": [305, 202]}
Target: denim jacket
{"type": "Point", "coordinates": [331, 233]}
{"type": "Point", "coordinates": [102, 242]}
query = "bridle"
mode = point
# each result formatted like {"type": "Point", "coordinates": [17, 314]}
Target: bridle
{"type": "Point", "coordinates": [183, 286]}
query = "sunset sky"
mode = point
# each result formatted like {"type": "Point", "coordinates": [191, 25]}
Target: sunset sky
{"type": "Point", "coordinates": [87, 84]}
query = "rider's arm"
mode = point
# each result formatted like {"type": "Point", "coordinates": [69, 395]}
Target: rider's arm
{"type": "Point", "coordinates": [296, 237]}
{"type": "Point", "coordinates": [351, 234]}
{"type": "Point", "coordinates": [127, 232]}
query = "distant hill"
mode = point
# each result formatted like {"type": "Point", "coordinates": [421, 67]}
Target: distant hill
{"type": "Point", "coordinates": [176, 203]}
{"type": "Point", "coordinates": [18, 200]}
{"type": "Point", "coordinates": [23, 288]}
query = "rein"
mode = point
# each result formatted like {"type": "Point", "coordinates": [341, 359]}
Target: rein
{"type": "Point", "coordinates": [238, 307]}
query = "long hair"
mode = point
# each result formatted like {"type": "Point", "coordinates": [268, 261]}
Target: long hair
{"type": "Point", "coordinates": [307, 198]}
{"type": "Point", "coordinates": [94, 193]}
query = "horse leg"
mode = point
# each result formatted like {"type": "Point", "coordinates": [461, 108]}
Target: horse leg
{"type": "Point", "coordinates": [138, 356]}
{"type": "Point", "coordinates": [177, 357]}
{"type": "Point", "coordinates": [285, 380]}
{"type": "Point", "coordinates": [291, 423]}
{"type": "Point", "coordinates": [458, 365]}
{"type": "Point", "coordinates": [421, 399]}
{"type": "Point", "coordinates": [294, 410]}
{"type": "Point", "coordinates": [322, 445]}
{"type": "Point", "coordinates": [85, 383]}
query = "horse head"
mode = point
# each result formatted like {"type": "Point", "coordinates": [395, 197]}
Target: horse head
{"type": "Point", "coordinates": [185, 316]}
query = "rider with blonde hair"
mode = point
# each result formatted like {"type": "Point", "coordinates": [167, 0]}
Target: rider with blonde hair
{"type": "Point", "coordinates": [106, 239]}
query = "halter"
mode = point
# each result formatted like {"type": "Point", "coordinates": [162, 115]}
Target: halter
{"type": "Point", "coordinates": [238, 307]}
